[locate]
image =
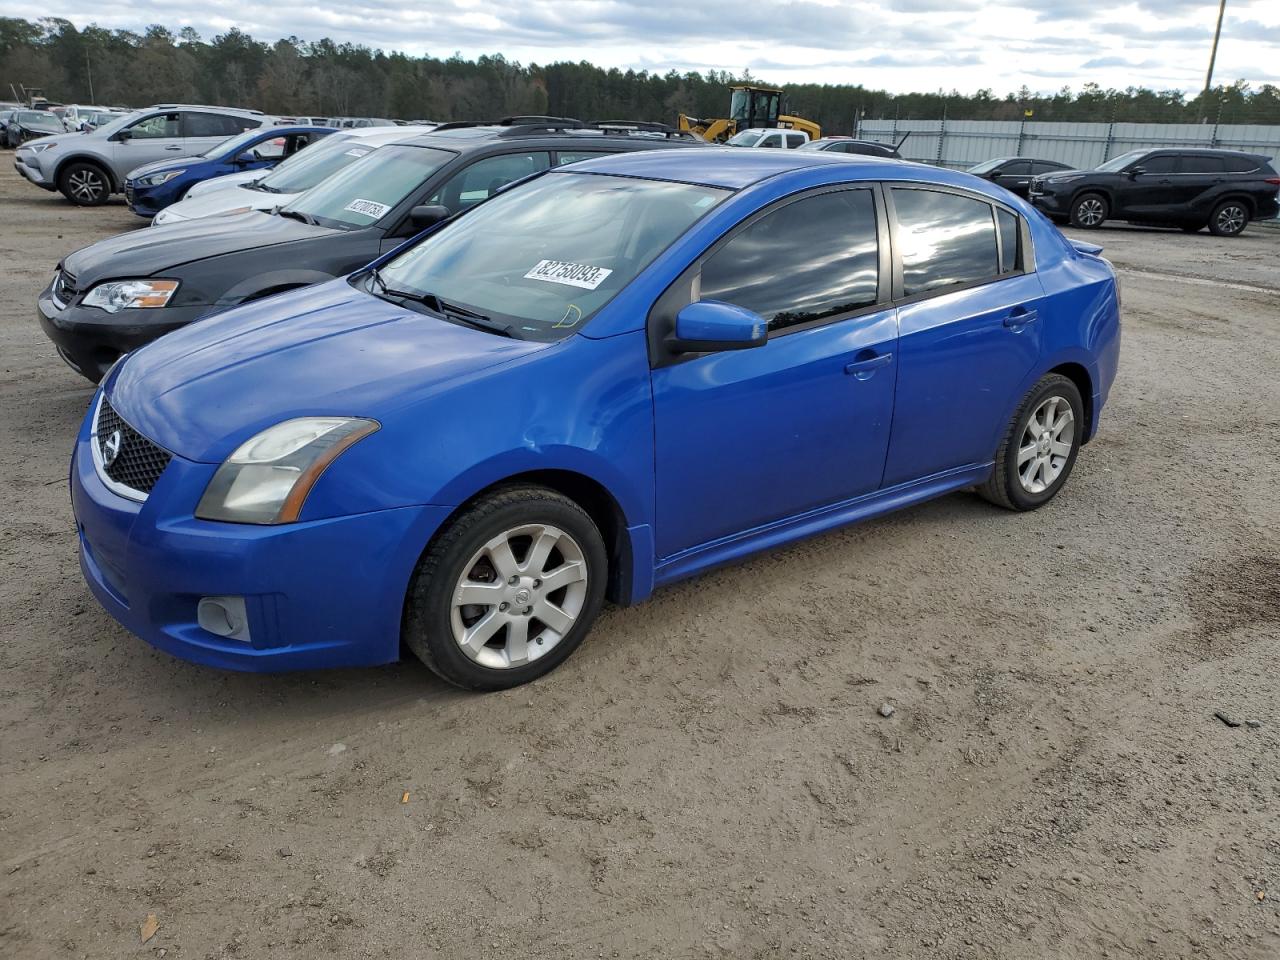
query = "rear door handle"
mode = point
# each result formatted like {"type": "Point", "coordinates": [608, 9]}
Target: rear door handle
{"type": "Point", "coordinates": [864, 369]}
{"type": "Point", "coordinates": [1019, 317]}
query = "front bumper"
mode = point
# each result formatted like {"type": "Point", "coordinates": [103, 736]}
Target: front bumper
{"type": "Point", "coordinates": [324, 593]}
{"type": "Point", "coordinates": [26, 165]}
{"type": "Point", "coordinates": [1048, 202]}
{"type": "Point", "coordinates": [145, 201]}
{"type": "Point", "coordinates": [91, 340]}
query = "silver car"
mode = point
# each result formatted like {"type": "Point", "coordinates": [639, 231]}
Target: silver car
{"type": "Point", "coordinates": [88, 167]}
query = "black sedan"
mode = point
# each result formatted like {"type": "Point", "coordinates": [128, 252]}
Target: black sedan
{"type": "Point", "coordinates": [121, 293]}
{"type": "Point", "coordinates": [1015, 173]}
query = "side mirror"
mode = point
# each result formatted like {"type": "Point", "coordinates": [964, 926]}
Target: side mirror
{"type": "Point", "coordinates": [124, 136]}
{"type": "Point", "coordinates": [711, 325]}
{"type": "Point", "coordinates": [427, 214]}
{"type": "Point", "coordinates": [1134, 171]}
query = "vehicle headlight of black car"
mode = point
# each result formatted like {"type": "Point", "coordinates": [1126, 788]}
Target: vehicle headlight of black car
{"type": "Point", "coordinates": [116, 295]}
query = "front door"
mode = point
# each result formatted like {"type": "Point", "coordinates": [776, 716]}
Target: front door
{"type": "Point", "coordinates": [1150, 191]}
{"type": "Point", "coordinates": [747, 437]}
{"type": "Point", "coordinates": [157, 137]}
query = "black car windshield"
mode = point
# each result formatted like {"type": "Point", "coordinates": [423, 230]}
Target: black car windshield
{"type": "Point", "coordinates": [304, 170]}
{"type": "Point", "coordinates": [1116, 164]}
{"type": "Point", "coordinates": [40, 120]}
{"type": "Point", "coordinates": [366, 191]}
{"type": "Point", "coordinates": [987, 165]}
{"type": "Point", "coordinates": [541, 258]}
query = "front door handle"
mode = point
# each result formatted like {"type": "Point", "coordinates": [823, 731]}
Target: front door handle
{"type": "Point", "coordinates": [865, 368]}
{"type": "Point", "coordinates": [175, 148]}
{"type": "Point", "coordinates": [1019, 317]}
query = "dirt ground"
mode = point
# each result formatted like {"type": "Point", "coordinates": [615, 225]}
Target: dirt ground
{"type": "Point", "coordinates": [708, 776]}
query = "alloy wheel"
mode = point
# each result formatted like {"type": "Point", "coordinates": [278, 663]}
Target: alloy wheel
{"type": "Point", "coordinates": [519, 595]}
{"type": "Point", "coordinates": [1231, 219]}
{"type": "Point", "coordinates": [1090, 212]}
{"type": "Point", "coordinates": [86, 185]}
{"type": "Point", "coordinates": [1046, 444]}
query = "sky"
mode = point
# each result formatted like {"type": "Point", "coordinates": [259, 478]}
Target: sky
{"type": "Point", "coordinates": [898, 45]}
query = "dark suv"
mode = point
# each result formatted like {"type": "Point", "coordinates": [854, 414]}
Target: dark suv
{"type": "Point", "coordinates": [120, 293]}
{"type": "Point", "coordinates": [1191, 189]}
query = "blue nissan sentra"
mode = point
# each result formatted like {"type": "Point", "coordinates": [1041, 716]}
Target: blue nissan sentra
{"type": "Point", "coordinates": [611, 376]}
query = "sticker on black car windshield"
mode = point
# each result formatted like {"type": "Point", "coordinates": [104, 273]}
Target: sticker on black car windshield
{"type": "Point", "coordinates": [369, 208]}
{"type": "Point", "coordinates": [570, 274]}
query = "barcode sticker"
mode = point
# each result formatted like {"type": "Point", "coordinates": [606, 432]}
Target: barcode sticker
{"type": "Point", "coordinates": [570, 274]}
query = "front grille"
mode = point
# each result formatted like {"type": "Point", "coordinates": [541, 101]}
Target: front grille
{"type": "Point", "coordinates": [124, 456]}
{"type": "Point", "coordinates": [64, 287]}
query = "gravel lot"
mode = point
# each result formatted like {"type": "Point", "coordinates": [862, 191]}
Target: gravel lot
{"type": "Point", "coordinates": [709, 776]}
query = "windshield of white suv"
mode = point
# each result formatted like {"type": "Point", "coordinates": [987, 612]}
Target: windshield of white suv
{"type": "Point", "coordinates": [304, 170]}
{"type": "Point", "coordinates": [537, 261]}
{"type": "Point", "coordinates": [363, 193]}
{"type": "Point", "coordinates": [746, 138]}
{"type": "Point", "coordinates": [1116, 164]}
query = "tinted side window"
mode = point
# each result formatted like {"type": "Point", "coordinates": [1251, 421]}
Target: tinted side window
{"type": "Point", "coordinates": [946, 239]}
{"type": "Point", "coordinates": [1010, 258]}
{"type": "Point", "coordinates": [1047, 166]}
{"type": "Point", "coordinates": [1195, 164]}
{"type": "Point", "coordinates": [214, 125]}
{"type": "Point", "coordinates": [486, 177]}
{"type": "Point", "coordinates": [154, 128]}
{"type": "Point", "coordinates": [1017, 168]}
{"type": "Point", "coordinates": [1161, 163]}
{"type": "Point", "coordinates": [811, 259]}
{"type": "Point", "coordinates": [573, 156]}
{"type": "Point", "coordinates": [794, 140]}
{"type": "Point", "coordinates": [1240, 164]}
{"type": "Point", "coordinates": [772, 140]}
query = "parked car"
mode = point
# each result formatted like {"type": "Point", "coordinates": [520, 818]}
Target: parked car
{"type": "Point", "coordinates": [866, 148]}
{"type": "Point", "coordinates": [1015, 173]}
{"type": "Point", "coordinates": [610, 377]}
{"type": "Point", "coordinates": [23, 125]}
{"type": "Point", "coordinates": [89, 167]}
{"type": "Point", "coordinates": [122, 292]}
{"type": "Point", "coordinates": [252, 190]}
{"type": "Point", "coordinates": [74, 115]}
{"type": "Point", "coordinates": [99, 118]}
{"type": "Point", "coordinates": [769, 138]}
{"type": "Point", "coordinates": [1191, 189]}
{"type": "Point", "coordinates": [154, 186]}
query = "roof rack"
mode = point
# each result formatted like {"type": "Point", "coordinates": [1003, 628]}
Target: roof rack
{"type": "Point", "coordinates": [640, 126]}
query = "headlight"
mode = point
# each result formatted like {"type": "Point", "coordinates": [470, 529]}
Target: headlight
{"type": "Point", "coordinates": [268, 478]}
{"type": "Point", "coordinates": [1060, 180]}
{"type": "Point", "coordinates": [39, 147]}
{"type": "Point", "coordinates": [155, 179]}
{"type": "Point", "coordinates": [119, 294]}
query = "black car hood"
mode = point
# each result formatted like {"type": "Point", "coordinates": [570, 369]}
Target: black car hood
{"type": "Point", "coordinates": [1059, 174]}
{"type": "Point", "coordinates": [151, 251]}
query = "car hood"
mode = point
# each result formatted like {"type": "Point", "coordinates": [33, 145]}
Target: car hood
{"type": "Point", "coordinates": [219, 202]}
{"type": "Point", "coordinates": [328, 350]}
{"type": "Point", "coordinates": [144, 253]}
{"type": "Point", "coordinates": [224, 181]}
{"type": "Point", "coordinates": [1060, 174]}
{"type": "Point", "coordinates": [159, 166]}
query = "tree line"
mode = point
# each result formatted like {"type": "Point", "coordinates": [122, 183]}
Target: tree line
{"type": "Point", "coordinates": [324, 78]}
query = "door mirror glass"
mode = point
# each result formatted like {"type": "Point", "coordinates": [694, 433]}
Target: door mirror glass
{"type": "Point", "coordinates": [1134, 171]}
{"type": "Point", "coordinates": [708, 325]}
{"type": "Point", "coordinates": [427, 214]}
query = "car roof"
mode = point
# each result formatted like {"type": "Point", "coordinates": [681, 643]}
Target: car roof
{"type": "Point", "coordinates": [376, 134]}
{"type": "Point", "coordinates": [474, 138]}
{"type": "Point", "coordinates": [733, 167]}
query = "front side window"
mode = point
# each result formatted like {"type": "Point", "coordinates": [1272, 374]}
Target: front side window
{"type": "Point", "coordinates": [1160, 163]}
{"type": "Point", "coordinates": [363, 193]}
{"type": "Point", "coordinates": [1018, 168]}
{"type": "Point", "coordinates": [486, 177]}
{"type": "Point", "coordinates": [946, 240]}
{"type": "Point", "coordinates": [815, 258]}
{"type": "Point", "coordinates": [543, 258]}
{"type": "Point", "coordinates": [159, 126]}
{"type": "Point", "coordinates": [773, 140]}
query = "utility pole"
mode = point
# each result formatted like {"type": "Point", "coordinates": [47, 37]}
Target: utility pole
{"type": "Point", "coordinates": [89, 71]}
{"type": "Point", "coordinates": [1213, 54]}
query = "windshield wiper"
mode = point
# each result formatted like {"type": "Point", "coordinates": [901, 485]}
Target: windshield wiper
{"type": "Point", "coordinates": [447, 310]}
{"type": "Point", "coordinates": [258, 185]}
{"type": "Point", "coordinates": [295, 215]}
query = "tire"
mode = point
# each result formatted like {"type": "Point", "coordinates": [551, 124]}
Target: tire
{"type": "Point", "coordinates": [1089, 210]}
{"type": "Point", "coordinates": [1048, 469]}
{"type": "Point", "coordinates": [470, 553]}
{"type": "Point", "coordinates": [85, 184]}
{"type": "Point", "coordinates": [1229, 219]}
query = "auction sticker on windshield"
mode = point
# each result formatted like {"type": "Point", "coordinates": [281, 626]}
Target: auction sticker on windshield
{"type": "Point", "coordinates": [368, 208]}
{"type": "Point", "coordinates": [571, 274]}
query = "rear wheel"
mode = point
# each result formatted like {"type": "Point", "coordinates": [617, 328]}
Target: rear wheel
{"type": "Point", "coordinates": [508, 591]}
{"type": "Point", "coordinates": [85, 184]}
{"type": "Point", "coordinates": [1228, 219]}
{"type": "Point", "coordinates": [1089, 210]}
{"type": "Point", "coordinates": [1040, 446]}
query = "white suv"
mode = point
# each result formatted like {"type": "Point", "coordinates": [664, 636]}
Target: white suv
{"type": "Point", "coordinates": [89, 167]}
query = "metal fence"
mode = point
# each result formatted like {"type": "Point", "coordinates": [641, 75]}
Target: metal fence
{"type": "Point", "coordinates": [962, 143]}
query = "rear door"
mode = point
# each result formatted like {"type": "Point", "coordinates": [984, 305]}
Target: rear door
{"type": "Point", "coordinates": [1199, 176]}
{"type": "Point", "coordinates": [969, 328]}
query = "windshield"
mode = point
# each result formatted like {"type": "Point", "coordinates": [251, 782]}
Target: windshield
{"type": "Point", "coordinates": [540, 259]}
{"type": "Point", "coordinates": [363, 193]}
{"type": "Point", "coordinates": [747, 138]}
{"type": "Point", "coordinates": [739, 104]}
{"type": "Point", "coordinates": [1116, 164]}
{"type": "Point", "coordinates": [107, 129]}
{"type": "Point", "coordinates": [40, 120]}
{"type": "Point", "coordinates": [304, 170]}
{"type": "Point", "coordinates": [987, 166]}
{"type": "Point", "coordinates": [234, 145]}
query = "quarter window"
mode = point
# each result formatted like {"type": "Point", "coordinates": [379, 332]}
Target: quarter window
{"type": "Point", "coordinates": [1010, 259]}
{"type": "Point", "coordinates": [815, 258]}
{"type": "Point", "coordinates": [486, 177]}
{"type": "Point", "coordinates": [1241, 164]}
{"type": "Point", "coordinates": [946, 239]}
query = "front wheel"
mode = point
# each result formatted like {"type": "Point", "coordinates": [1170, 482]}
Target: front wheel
{"type": "Point", "coordinates": [85, 184]}
{"type": "Point", "coordinates": [1039, 448]}
{"type": "Point", "coordinates": [1089, 211]}
{"type": "Point", "coordinates": [508, 590]}
{"type": "Point", "coordinates": [1228, 219]}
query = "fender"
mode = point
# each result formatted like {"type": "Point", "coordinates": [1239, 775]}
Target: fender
{"type": "Point", "coordinates": [251, 287]}
{"type": "Point", "coordinates": [86, 158]}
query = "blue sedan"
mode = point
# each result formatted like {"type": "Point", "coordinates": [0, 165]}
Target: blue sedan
{"type": "Point", "coordinates": [614, 375]}
{"type": "Point", "coordinates": [153, 186]}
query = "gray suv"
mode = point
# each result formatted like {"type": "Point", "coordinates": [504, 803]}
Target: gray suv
{"type": "Point", "coordinates": [89, 167]}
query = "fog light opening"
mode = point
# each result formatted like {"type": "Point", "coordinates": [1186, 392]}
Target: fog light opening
{"type": "Point", "coordinates": [224, 616]}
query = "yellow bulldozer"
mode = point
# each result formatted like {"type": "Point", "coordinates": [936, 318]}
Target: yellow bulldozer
{"type": "Point", "coordinates": [749, 108]}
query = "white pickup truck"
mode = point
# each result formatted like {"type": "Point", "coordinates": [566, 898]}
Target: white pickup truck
{"type": "Point", "coordinates": [769, 137]}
